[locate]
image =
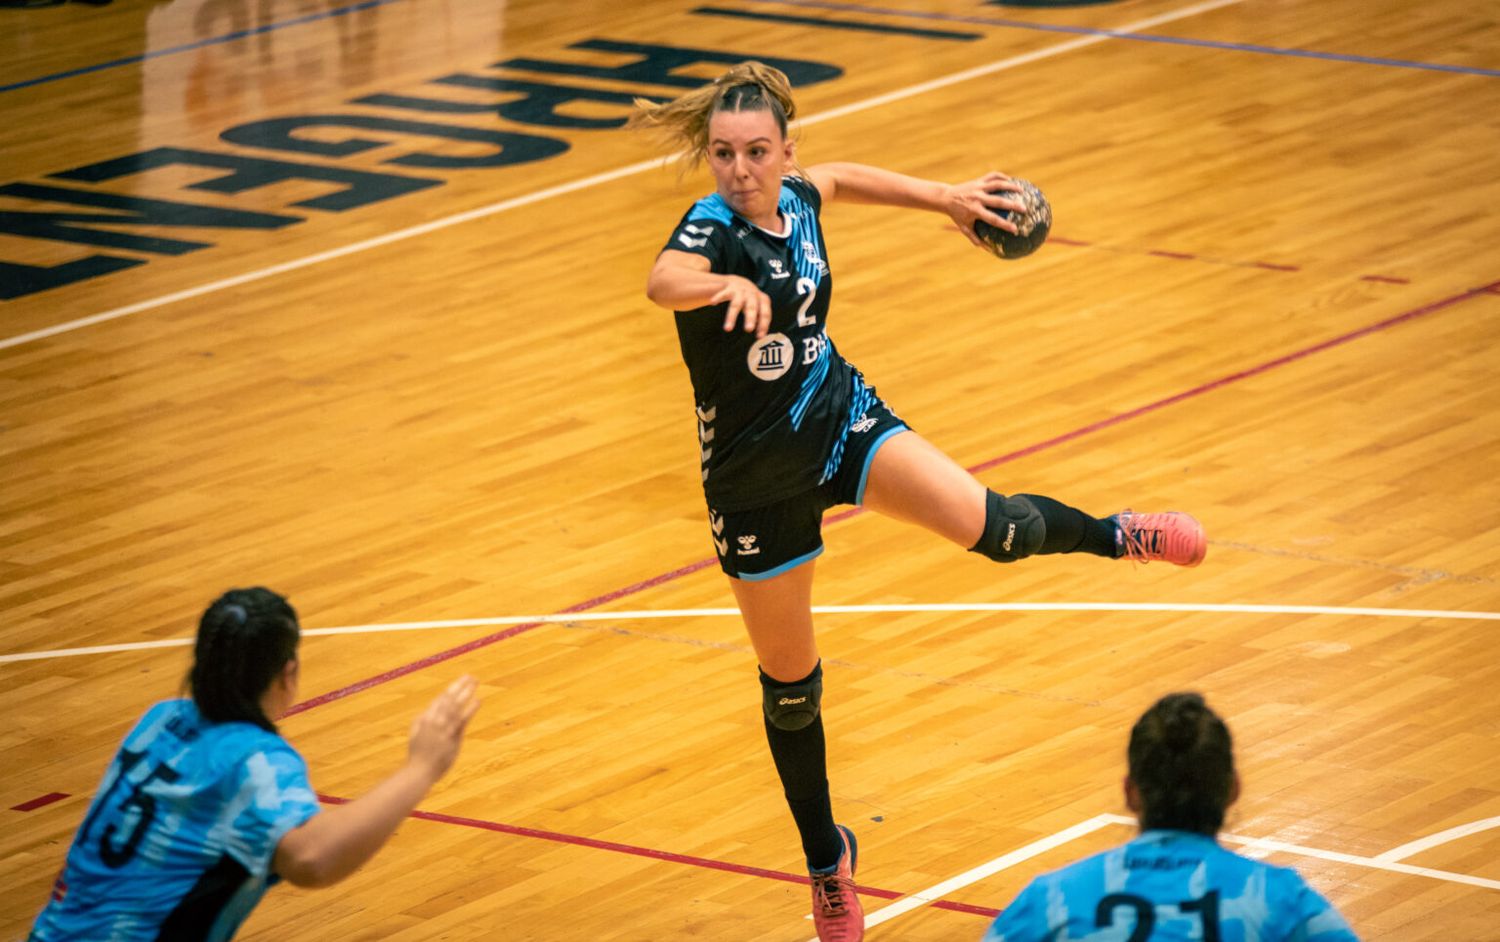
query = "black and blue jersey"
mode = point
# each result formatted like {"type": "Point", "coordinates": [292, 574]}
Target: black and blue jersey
{"type": "Point", "coordinates": [773, 413]}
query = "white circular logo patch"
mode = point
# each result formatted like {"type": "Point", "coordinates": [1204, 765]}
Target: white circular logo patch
{"type": "Point", "coordinates": [770, 357]}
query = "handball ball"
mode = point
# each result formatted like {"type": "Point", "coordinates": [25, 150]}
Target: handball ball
{"type": "Point", "coordinates": [1031, 226]}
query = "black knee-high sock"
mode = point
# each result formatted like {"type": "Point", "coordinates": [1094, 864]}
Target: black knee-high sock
{"type": "Point", "coordinates": [1070, 530]}
{"type": "Point", "coordinates": [801, 761]}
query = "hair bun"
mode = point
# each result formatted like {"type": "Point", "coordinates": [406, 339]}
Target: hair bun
{"type": "Point", "coordinates": [1182, 722]}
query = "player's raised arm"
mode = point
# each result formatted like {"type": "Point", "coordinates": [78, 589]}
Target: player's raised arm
{"type": "Point", "coordinates": [333, 844]}
{"type": "Point", "coordinates": [965, 202]}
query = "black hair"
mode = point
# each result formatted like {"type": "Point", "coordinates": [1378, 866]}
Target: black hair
{"type": "Point", "coordinates": [245, 638]}
{"type": "Point", "coordinates": [1182, 762]}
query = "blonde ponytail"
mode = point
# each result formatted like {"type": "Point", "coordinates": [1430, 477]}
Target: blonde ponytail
{"type": "Point", "coordinates": [683, 121]}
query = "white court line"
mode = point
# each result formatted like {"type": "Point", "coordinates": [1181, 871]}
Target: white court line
{"type": "Point", "coordinates": [1374, 863]}
{"type": "Point", "coordinates": [1433, 840]}
{"type": "Point", "coordinates": [817, 610]}
{"type": "Point", "coordinates": [587, 182]}
{"type": "Point", "coordinates": [939, 890]}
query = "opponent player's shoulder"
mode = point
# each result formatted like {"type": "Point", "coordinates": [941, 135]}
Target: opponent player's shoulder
{"type": "Point", "coordinates": [169, 716]}
{"type": "Point", "coordinates": [1042, 909]}
{"type": "Point", "coordinates": [1302, 911]}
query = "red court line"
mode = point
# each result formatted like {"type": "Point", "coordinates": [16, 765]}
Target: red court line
{"type": "Point", "coordinates": [1236, 377]}
{"type": "Point", "coordinates": [41, 802]}
{"type": "Point", "coordinates": [691, 568]}
{"type": "Point", "coordinates": [666, 855]}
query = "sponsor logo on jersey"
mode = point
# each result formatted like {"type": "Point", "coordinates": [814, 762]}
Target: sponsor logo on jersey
{"type": "Point", "coordinates": [770, 357]}
{"type": "Point", "coordinates": [747, 546]}
{"type": "Point", "coordinates": [864, 424]}
{"type": "Point", "coordinates": [777, 269]}
{"type": "Point", "coordinates": [810, 252]}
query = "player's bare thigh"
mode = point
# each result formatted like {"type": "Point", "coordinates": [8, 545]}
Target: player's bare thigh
{"type": "Point", "coordinates": [911, 480]}
{"type": "Point", "coordinates": [778, 616]}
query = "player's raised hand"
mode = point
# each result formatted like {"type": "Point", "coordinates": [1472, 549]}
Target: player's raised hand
{"type": "Point", "coordinates": [979, 199]}
{"type": "Point", "coordinates": [745, 301]}
{"type": "Point", "coordinates": [439, 730]}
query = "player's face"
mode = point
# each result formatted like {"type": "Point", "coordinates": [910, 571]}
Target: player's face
{"type": "Point", "coordinates": [748, 154]}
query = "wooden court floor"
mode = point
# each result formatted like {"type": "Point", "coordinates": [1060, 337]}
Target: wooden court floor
{"type": "Point", "coordinates": [346, 299]}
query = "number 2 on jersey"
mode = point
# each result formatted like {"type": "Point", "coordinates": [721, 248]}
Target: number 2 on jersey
{"type": "Point", "coordinates": [810, 288]}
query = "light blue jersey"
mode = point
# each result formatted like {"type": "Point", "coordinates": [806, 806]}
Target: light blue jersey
{"type": "Point", "coordinates": [1165, 886]}
{"type": "Point", "coordinates": [177, 844]}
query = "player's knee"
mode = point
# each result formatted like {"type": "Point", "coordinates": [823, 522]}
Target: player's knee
{"type": "Point", "coordinates": [792, 706]}
{"type": "Point", "coordinates": [1013, 528]}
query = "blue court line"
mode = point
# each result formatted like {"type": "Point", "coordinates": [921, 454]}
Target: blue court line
{"type": "Point", "coordinates": [1139, 37]}
{"type": "Point", "coordinates": [212, 41]}
{"type": "Point", "coordinates": [841, 24]}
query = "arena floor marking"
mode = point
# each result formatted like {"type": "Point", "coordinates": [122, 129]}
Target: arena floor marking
{"type": "Point", "coordinates": [1435, 840]}
{"type": "Point", "coordinates": [664, 855]}
{"type": "Point", "coordinates": [643, 614]}
{"type": "Point", "coordinates": [672, 575]}
{"type": "Point", "coordinates": [1375, 863]}
{"type": "Point", "coordinates": [1137, 37]}
{"type": "Point", "coordinates": [585, 182]}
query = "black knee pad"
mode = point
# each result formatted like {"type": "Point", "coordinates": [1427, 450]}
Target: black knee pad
{"type": "Point", "coordinates": [1013, 528]}
{"type": "Point", "coordinates": [792, 706]}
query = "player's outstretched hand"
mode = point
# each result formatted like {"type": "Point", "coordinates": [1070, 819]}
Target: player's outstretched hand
{"type": "Point", "coordinates": [747, 300]}
{"type": "Point", "coordinates": [438, 731]}
{"type": "Point", "coordinates": [978, 199]}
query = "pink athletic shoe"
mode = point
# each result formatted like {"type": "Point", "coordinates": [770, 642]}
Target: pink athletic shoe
{"type": "Point", "coordinates": [1174, 537]}
{"type": "Point", "coordinates": [835, 909]}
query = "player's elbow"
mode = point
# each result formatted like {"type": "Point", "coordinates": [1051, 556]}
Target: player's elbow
{"type": "Point", "coordinates": [307, 872]}
{"type": "Point", "coordinates": [300, 861]}
{"type": "Point", "coordinates": [656, 285]}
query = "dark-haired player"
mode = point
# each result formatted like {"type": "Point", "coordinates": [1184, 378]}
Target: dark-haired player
{"type": "Point", "coordinates": [1174, 881]}
{"type": "Point", "coordinates": [787, 428]}
{"type": "Point", "coordinates": [205, 806]}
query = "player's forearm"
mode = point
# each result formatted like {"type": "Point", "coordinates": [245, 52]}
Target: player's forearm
{"type": "Point", "coordinates": [682, 289]}
{"type": "Point", "coordinates": [334, 843]}
{"type": "Point", "coordinates": [860, 183]}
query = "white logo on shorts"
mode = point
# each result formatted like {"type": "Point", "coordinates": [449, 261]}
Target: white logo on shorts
{"type": "Point", "coordinates": [770, 357]}
{"type": "Point", "coordinates": [747, 546]}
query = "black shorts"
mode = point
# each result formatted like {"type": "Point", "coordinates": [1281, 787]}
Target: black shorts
{"type": "Point", "coordinates": [767, 541]}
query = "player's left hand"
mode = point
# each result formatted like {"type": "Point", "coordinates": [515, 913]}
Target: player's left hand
{"type": "Point", "coordinates": [978, 199]}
